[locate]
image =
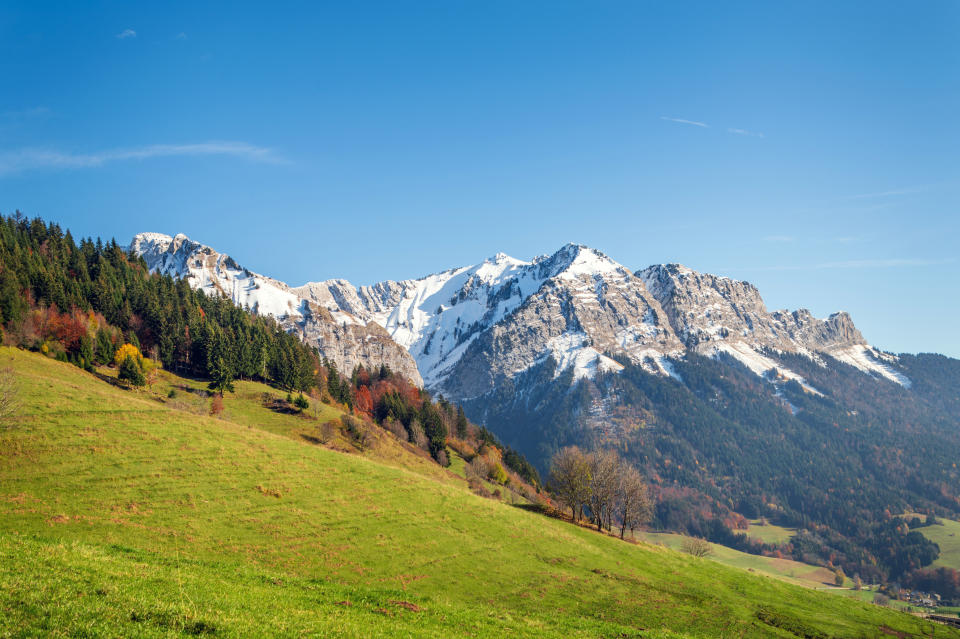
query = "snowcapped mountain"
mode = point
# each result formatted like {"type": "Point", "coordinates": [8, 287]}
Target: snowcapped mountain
{"type": "Point", "coordinates": [472, 327]}
{"type": "Point", "coordinates": [468, 329]}
{"type": "Point", "coordinates": [339, 336]}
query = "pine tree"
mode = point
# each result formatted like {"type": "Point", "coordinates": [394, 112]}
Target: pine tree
{"type": "Point", "coordinates": [221, 377]}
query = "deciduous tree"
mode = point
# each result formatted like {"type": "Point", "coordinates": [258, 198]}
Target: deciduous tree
{"type": "Point", "coordinates": [570, 471]}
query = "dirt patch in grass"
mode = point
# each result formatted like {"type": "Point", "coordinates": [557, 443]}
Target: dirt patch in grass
{"type": "Point", "coordinates": [269, 492]}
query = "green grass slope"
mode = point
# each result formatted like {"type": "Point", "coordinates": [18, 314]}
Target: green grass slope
{"type": "Point", "coordinates": [785, 569]}
{"type": "Point", "coordinates": [769, 533]}
{"type": "Point", "coordinates": [121, 515]}
{"type": "Point", "coordinates": [946, 534]}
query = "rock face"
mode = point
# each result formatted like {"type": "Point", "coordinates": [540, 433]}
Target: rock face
{"type": "Point", "coordinates": [705, 309]}
{"type": "Point", "coordinates": [713, 315]}
{"type": "Point", "coordinates": [338, 335]}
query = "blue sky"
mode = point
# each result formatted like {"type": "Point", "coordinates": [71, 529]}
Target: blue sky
{"type": "Point", "coordinates": [812, 148]}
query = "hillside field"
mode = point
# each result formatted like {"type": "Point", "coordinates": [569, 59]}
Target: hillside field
{"type": "Point", "coordinates": [946, 534]}
{"type": "Point", "coordinates": [128, 513]}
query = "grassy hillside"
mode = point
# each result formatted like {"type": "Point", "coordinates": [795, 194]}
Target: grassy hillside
{"type": "Point", "coordinates": [784, 569]}
{"type": "Point", "coordinates": [127, 513]}
{"type": "Point", "coordinates": [945, 534]}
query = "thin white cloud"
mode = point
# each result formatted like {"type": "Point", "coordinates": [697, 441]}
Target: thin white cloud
{"type": "Point", "coordinates": [35, 159]}
{"type": "Point", "coordinates": [753, 134]}
{"type": "Point", "coordinates": [779, 238]}
{"type": "Point", "coordinates": [886, 263]}
{"type": "Point", "coordinates": [682, 121]}
{"type": "Point", "coordinates": [906, 191]}
{"type": "Point", "coordinates": [181, 36]}
{"type": "Point", "coordinates": [32, 112]}
{"type": "Point", "coordinates": [126, 33]}
{"type": "Point", "coordinates": [856, 264]}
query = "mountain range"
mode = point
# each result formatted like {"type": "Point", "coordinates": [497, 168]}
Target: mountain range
{"type": "Point", "coordinates": [463, 331]}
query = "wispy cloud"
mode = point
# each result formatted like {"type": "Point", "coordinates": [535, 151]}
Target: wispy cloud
{"type": "Point", "coordinates": [181, 36]}
{"type": "Point", "coordinates": [34, 159]}
{"type": "Point", "coordinates": [126, 33]}
{"type": "Point", "coordinates": [906, 191]}
{"type": "Point", "coordinates": [857, 264]}
{"type": "Point", "coordinates": [22, 114]}
{"type": "Point", "coordinates": [682, 121]}
{"type": "Point", "coordinates": [753, 134]}
{"type": "Point", "coordinates": [779, 238]}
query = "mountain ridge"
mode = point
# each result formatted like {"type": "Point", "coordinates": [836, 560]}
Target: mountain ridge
{"type": "Point", "coordinates": [467, 327]}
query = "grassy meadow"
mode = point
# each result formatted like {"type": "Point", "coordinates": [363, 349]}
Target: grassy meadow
{"type": "Point", "coordinates": [131, 513]}
{"type": "Point", "coordinates": [769, 533]}
{"type": "Point", "coordinates": [945, 534]}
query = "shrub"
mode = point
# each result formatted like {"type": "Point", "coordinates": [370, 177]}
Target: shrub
{"type": "Point", "coordinates": [696, 547]}
{"type": "Point", "coordinates": [881, 599]}
{"type": "Point", "coordinates": [359, 431]}
{"type": "Point", "coordinates": [498, 474]}
{"type": "Point", "coordinates": [216, 405]}
{"type": "Point", "coordinates": [477, 487]}
{"type": "Point", "coordinates": [301, 402]}
{"type": "Point", "coordinates": [171, 394]}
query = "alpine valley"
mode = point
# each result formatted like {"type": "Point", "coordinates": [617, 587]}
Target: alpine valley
{"type": "Point", "coordinates": [734, 412]}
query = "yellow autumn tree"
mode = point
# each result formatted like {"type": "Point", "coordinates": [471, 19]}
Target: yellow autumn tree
{"type": "Point", "coordinates": [125, 351]}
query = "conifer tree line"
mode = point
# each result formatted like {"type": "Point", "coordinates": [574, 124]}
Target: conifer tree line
{"type": "Point", "coordinates": [82, 302]}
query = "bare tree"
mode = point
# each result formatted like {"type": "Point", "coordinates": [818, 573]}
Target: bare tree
{"type": "Point", "coordinates": [418, 437]}
{"type": "Point", "coordinates": [605, 469]}
{"type": "Point", "coordinates": [570, 479]}
{"type": "Point", "coordinates": [9, 402]}
{"type": "Point", "coordinates": [327, 431]}
{"type": "Point", "coordinates": [396, 427]}
{"type": "Point", "coordinates": [478, 469]}
{"type": "Point", "coordinates": [633, 503]}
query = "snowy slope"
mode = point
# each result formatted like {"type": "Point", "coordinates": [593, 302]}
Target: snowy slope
{"type": "Point", "coordinates": [216, 274]}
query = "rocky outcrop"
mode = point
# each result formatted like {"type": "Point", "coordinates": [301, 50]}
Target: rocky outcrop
{"type": "Point", "coordinates": [705, 309]}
